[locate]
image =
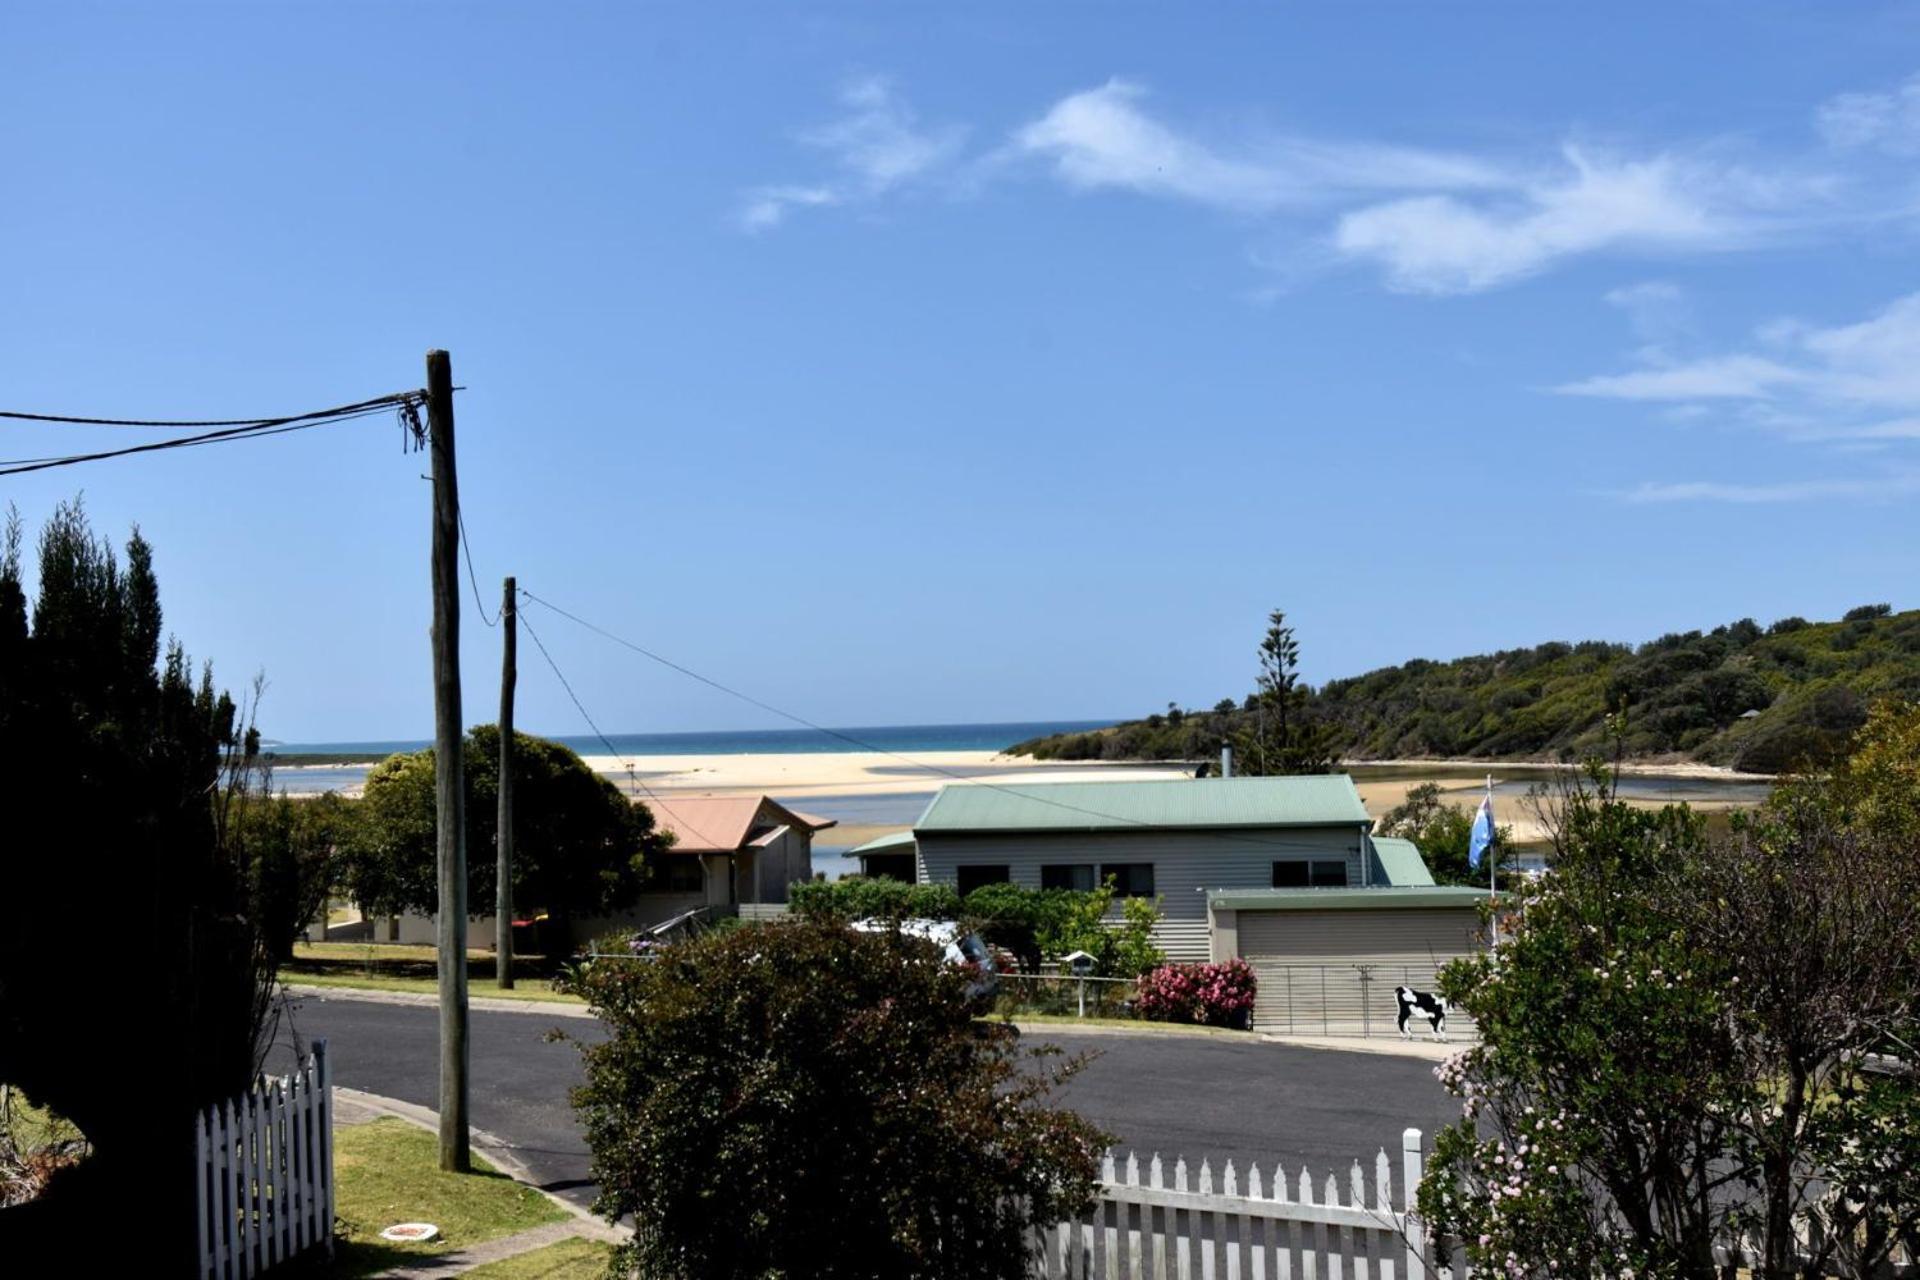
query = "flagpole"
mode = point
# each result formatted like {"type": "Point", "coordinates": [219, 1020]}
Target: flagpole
{"type": "Point", "coordinates": [1493, 863]}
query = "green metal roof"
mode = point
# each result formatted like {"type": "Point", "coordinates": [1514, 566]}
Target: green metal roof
{"type": "Point", "coordinates": [1315, 801]}
{"type": "Point", "coordinates": [898, 842]}
{"type": "Point", "coordinates": [1401, 860]}
{"type": "Point", "coordinates": [1416, 897]}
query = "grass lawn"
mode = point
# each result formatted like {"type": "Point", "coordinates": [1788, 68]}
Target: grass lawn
{"type": "Point", "coordinates": [30, 1127]}
{"type": "Point", "coordinates": [388, 1172]}
{"type": "Point", "coordinates": [574, 1259]}
{"type": "Point", "coordinates": [390, 967]}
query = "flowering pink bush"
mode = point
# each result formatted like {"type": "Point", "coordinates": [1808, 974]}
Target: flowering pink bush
{"type": "Point", "coordinates": [1214, 995]}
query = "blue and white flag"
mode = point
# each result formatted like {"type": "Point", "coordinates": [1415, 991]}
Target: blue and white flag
{"type": "Point", "coordinates": [1482, 838]}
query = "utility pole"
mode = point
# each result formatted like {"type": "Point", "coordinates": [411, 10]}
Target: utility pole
{"type": "Point", "coordinates": [449, 784]}
{"type": "Point", "coordinates": [503, 838]}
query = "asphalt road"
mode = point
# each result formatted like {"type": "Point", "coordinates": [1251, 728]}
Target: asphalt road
{"type": "Point", "coordinates": [1193, 1097]}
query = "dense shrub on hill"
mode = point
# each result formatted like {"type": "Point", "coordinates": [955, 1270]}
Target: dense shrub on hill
{"type": "Point", "coordinates": [1763, 699]}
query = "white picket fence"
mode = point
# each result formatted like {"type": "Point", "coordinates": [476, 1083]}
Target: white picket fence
{"type": "Point", "coordinates": [1276, 1230]}
{"type": "Point", "coordinates": [265, 1188]}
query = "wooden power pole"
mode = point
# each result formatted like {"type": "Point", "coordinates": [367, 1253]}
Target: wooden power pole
{"type": "Point", "coordinates": [503, 837]}
{"type": "Point", "coordinates": [449, 784]}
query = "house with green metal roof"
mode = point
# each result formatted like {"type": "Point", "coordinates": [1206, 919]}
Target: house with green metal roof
{"type": "Point", "coordinates": [1175, 840]}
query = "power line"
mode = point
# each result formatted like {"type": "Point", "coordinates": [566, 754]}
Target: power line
{"type": "Point", "coordinates": [472, 577]}
{"type": "Point", "coordinates": [378, 402]}
{"type": "Point", "coordinates": [1028, 794]}
{"type": "Point", "coordinates": [405, 403]}
{"type": "Point", "coordinates": [633, 779]}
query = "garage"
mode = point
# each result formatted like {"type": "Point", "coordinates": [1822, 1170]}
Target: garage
{"type": "Point", "coordinates": [1327, 960]}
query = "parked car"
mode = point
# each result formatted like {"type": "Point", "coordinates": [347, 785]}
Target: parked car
{"type": "Point", "coordinates": [961, 948]}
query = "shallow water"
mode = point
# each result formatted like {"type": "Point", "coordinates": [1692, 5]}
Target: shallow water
{"type": "Point", "coordinates": [1514, 781]}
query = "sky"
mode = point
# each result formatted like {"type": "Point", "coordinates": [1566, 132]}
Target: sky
{"type": "Point", "coordinates": [913, 363]}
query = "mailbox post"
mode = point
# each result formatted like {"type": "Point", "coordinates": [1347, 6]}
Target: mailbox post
{"type": "Point", "coordinates": [1080, 965]}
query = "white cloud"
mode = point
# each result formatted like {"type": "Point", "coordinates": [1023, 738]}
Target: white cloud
{"type": "Point", "coordinates": [1104, 138]}
{"type": "Point", "coordinates": [1818, 386]}
{"type": "Point", "coordinates": [879, 141]}
{"type": "Point", "coordinates": [1737, 377]}
{"type": "Point", "coordinates": [1433, 221]}
{"type": "Point", "coordinates": [1443, 244]}
{"type": "Point", "coordinates": [1860, 488]}
{"type": "Point", "coordinates": [877, 145]}
{"type": "Point", "coordinates": [1657, 310]}
{"type": "Point", "coordinates": [1887, 121]}
{"type": "Point", "coordinates": [1826, 380]}
{"type": "Point", "coordinates": [768, 207]}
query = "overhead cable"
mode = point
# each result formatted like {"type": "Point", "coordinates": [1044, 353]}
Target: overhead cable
{"type": "Point", "coordinates": [633, 779]}
{"type": "Point", "coordinates": [406, 404]}
{"type": "Point", "coordinates": [1031, 794]}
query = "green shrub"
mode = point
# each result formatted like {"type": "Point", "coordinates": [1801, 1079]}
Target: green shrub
{"type": "Point", "coordinates": [858, 897]}
{"type": "Point", "coordinates": [804, 1100]}
{"type": "Point", "coordinates": [1031, 924]}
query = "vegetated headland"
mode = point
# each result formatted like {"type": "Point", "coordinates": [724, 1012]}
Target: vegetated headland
{"type": "Point", "coordinates": [1743, 697]}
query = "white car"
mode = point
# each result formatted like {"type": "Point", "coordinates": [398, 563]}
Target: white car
{"type": "Point", "coordinates": [958, 947]}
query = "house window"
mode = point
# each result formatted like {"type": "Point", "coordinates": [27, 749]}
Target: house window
{"type": "Point", "coordinates": [676, 874]}
{"type": "Point", "coordinates": [1319, 873]}
{"type": "Point", "coordinates": [1130, 879]}
{"type": "Point", "coordinates": [1067, 875]}
{"type": "Point", "coordinates": [970, 876]}
{"type": "Point", "coordinates": [1330, 874]}
{"type": "Point", "coordinates": [889, 866]}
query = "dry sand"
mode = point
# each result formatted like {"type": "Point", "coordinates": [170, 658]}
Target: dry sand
{"type": "Point", "coordinates": [852, 773]}
{"type": "Point", "coordinates": [1382, 784]}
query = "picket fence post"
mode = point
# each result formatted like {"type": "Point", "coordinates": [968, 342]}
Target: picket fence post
{"type": "Point", "coordinates": [1412, 1159]}
{"type": "Point", "coordinates": [1196, 1224]}
{"type": "Point", "coordinates": [263, 1173]}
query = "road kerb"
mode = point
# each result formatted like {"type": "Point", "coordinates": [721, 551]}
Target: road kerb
{"type": "Point", "coordinates": [499, 1153]}
{"type": "Point", "coordinates": [486, 1004]}
{"type": "Point", "coordinates": [1388, 1046]}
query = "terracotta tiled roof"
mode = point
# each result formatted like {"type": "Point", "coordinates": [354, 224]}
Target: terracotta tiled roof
{"type": "Point", "coordinates": [723, 824]}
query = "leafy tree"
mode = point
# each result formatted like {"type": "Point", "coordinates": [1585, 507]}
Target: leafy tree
{"type": "Point", "coordinates": [803, 1100]}
{"type": "Point", "coordinates": [291, 851]}
{"type": "Point", "coordinates": [120, 868]}
{"type": "Point", "coordinates": [580, 847]}
{"type": "Point", "coordinates": [1444, 833]}
{"type": "Point", "coordinates": [1672, 1034]}
{"type": "Point", "coordinates": [1879, 783]}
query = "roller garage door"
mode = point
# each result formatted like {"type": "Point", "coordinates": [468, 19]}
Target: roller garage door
{"type": "Point", "coordinates": [1333, 972]}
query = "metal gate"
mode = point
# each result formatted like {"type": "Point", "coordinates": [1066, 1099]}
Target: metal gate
{"type": "Point", "coordinates": [1333, 973]}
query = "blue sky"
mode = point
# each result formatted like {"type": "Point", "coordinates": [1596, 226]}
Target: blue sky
{"type": "Point", "coordinates": [908, 363]}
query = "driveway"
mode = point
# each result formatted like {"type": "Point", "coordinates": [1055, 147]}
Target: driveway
{"type": "Point", "coordinates": [1189, 1096]}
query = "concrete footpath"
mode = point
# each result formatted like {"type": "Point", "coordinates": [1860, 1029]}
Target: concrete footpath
{"type": "Point", "coordinates": [354, 1106]}
{"type": "Point", "coordinates": [1420, 1047]}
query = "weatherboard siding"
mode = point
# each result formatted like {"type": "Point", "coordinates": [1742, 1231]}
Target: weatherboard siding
{"type": "Point", "coordinates": [1185, 864]}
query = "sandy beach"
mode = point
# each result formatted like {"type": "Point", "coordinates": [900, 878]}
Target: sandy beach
{"type": "Point", "coordinates": [852, 773]}
{"type": "Point", "coordinates": [874, 793]}
{"type": "Point", "coordinates": [1382, 785]}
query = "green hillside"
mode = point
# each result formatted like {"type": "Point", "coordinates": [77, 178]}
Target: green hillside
{"type": "Point", "coordinates": [1753, 698]}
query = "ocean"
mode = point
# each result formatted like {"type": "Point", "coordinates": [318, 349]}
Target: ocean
{"type": "Point", "coordinates": [888, 808]}
{"type": "Point", "coordinates": [907, 738]}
